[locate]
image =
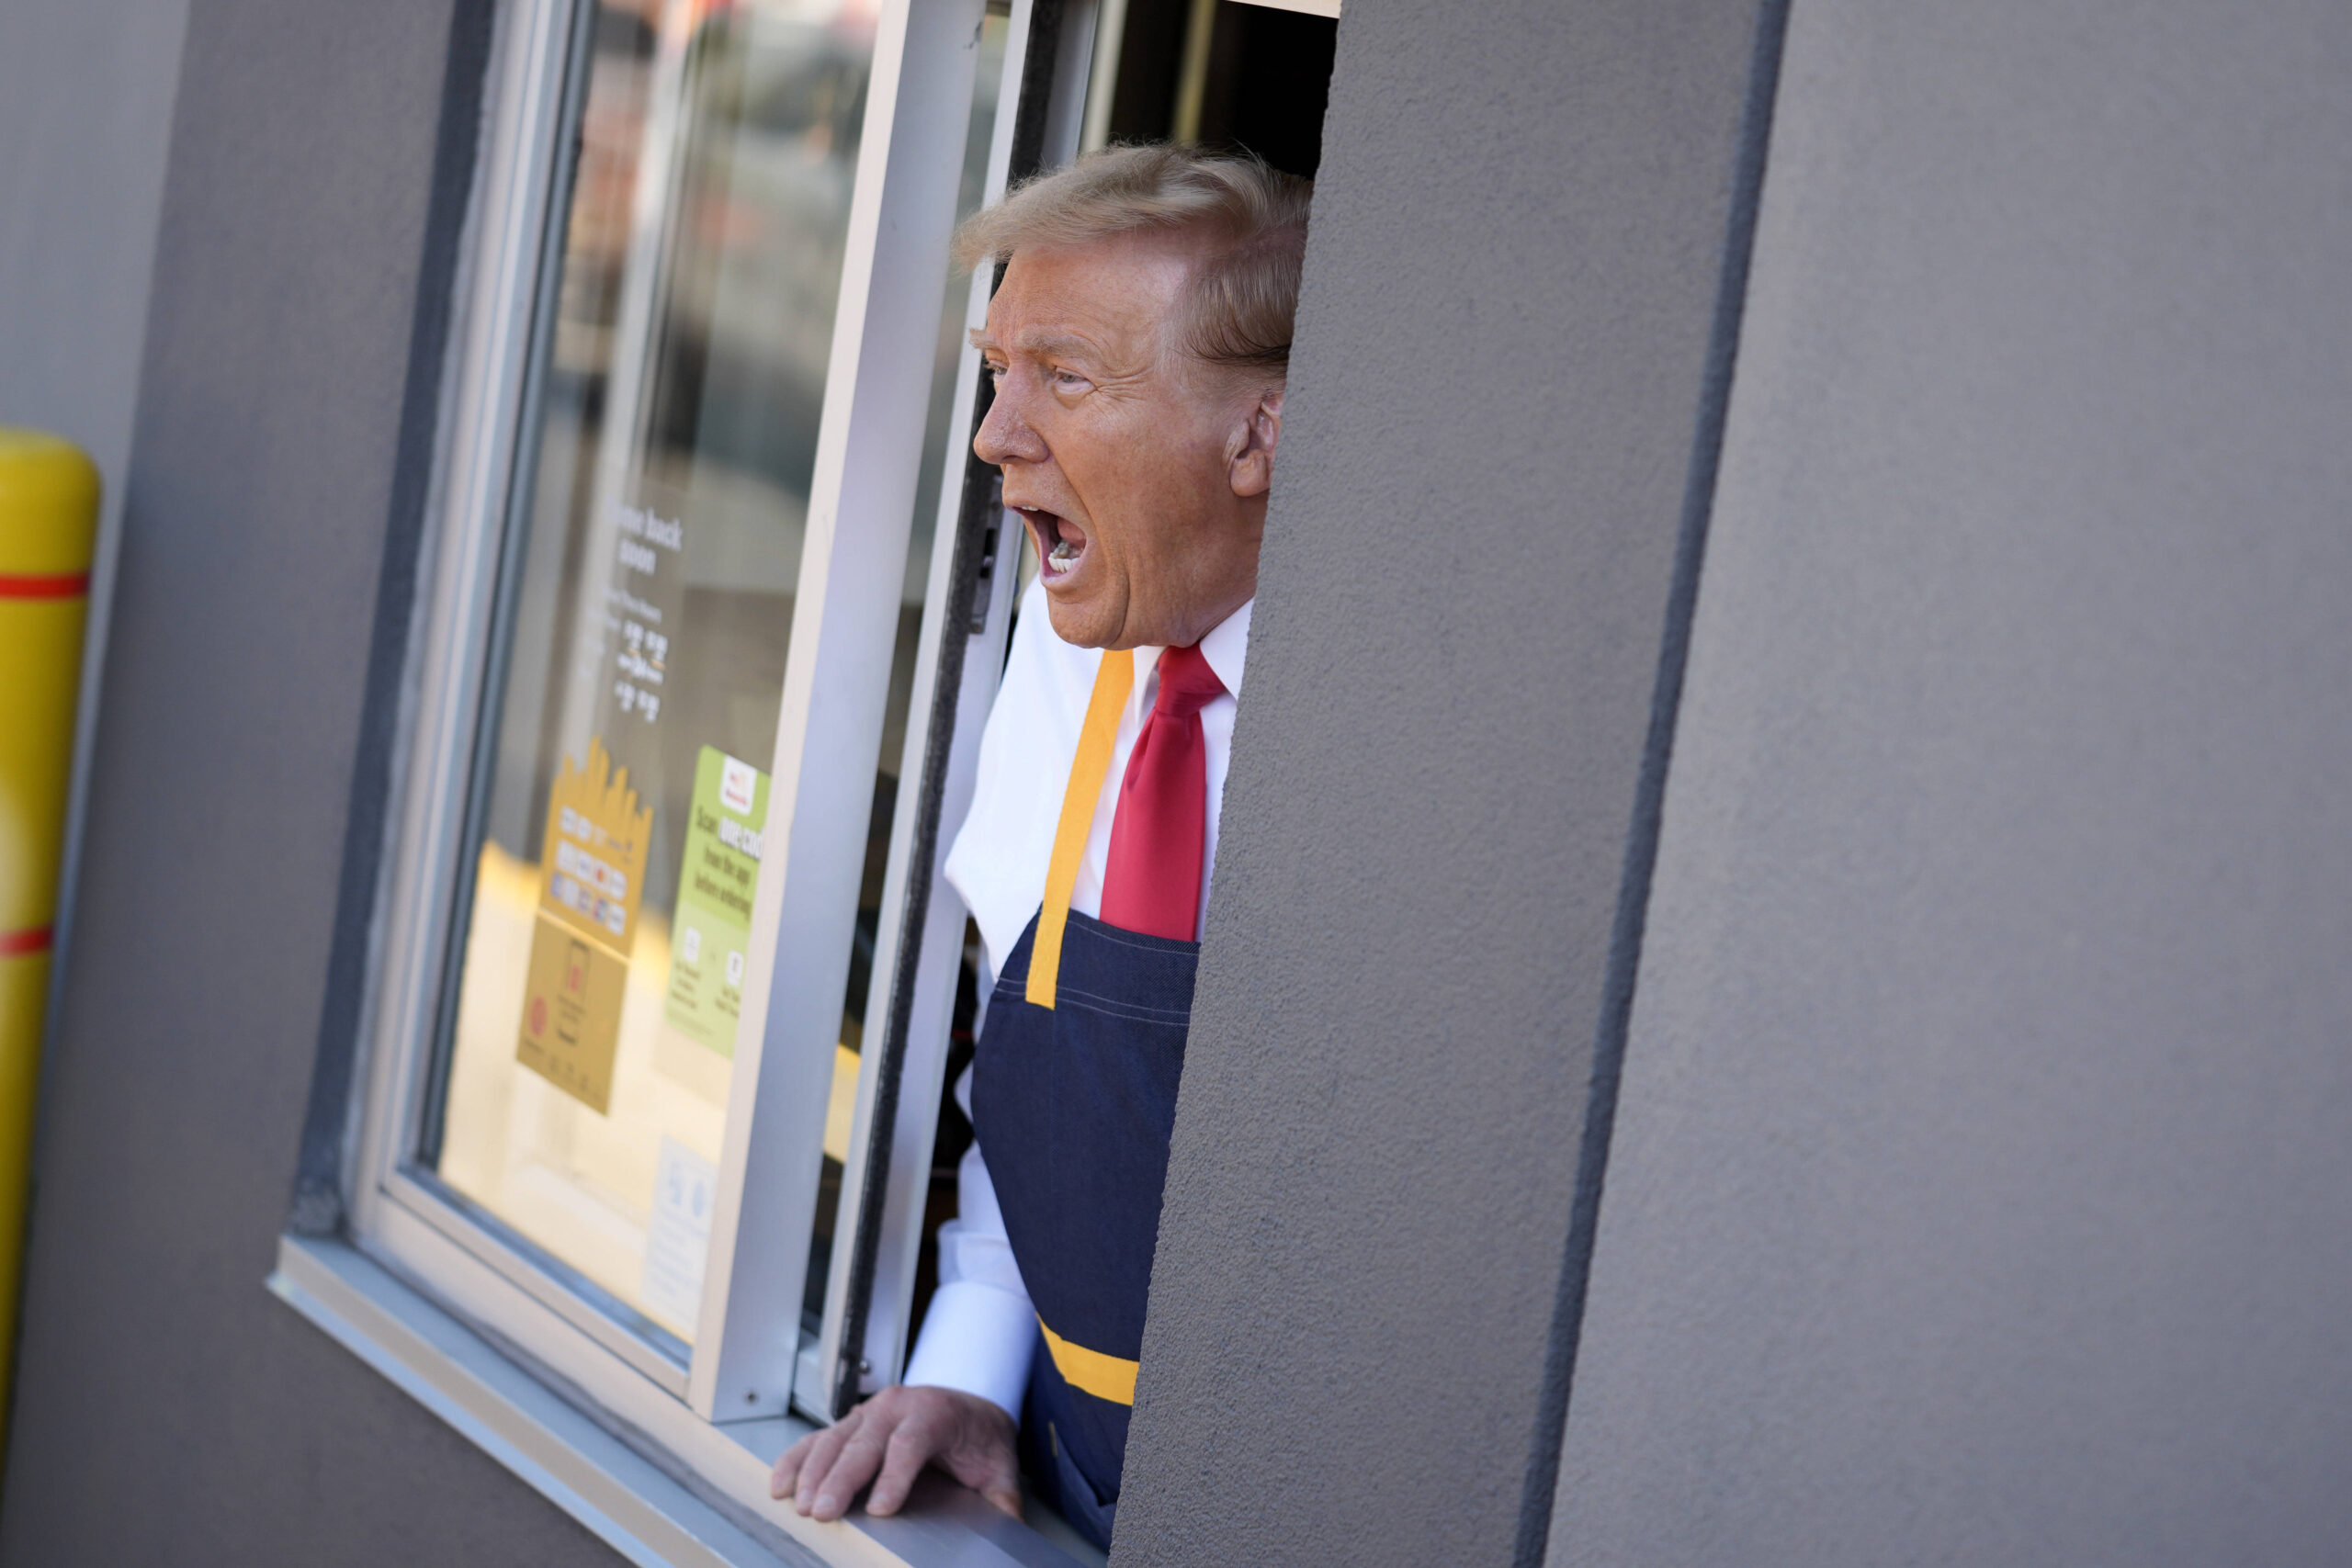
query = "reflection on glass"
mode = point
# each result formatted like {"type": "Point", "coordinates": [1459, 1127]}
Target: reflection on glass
{"type": "Point", "coordinates": [662, 493]}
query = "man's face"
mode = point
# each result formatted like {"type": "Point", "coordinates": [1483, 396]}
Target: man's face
{"type": "Point", "coordinates": [1141, 471]}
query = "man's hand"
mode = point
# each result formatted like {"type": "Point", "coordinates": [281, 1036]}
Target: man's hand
{"type": "Point", "coordinates": [896, 1432]}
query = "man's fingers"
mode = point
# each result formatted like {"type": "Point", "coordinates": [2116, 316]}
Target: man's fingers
{"type": "Point", "coordinates": [788, 1468]}
{"type": "Point", "coordinates": [909, 1448]}
{"type": "Point", "coordinates": [888, 1439]}
{"type": "Point", "coordinates": [815, 1464]}
{"type": "Point", "coordinates": [791, 1463]}
{"type": "Point", "coordinates": [852, 1468]}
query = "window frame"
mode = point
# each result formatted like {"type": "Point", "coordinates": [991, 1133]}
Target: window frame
{"type": "Point", "coordinates": [732, 1393]}
{"type": "Point", "coordinates": [967, 624]}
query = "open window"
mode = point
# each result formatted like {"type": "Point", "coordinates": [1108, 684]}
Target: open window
{"type": "Point", "coordinates": [669, 990]}
{"type": "Point", "coordinates": [1250, 74]}
{"type": "Point", "coordinates": [1236, 75]}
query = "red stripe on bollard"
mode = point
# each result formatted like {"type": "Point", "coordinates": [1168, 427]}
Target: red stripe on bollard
{"type": "Point", "coordinates": [49, 585]}
{"type": "Point", "coordinates": [16, 944]}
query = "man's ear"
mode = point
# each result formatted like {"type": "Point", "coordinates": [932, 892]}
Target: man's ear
{"type": "Point", "coordinates": [1253, 459]}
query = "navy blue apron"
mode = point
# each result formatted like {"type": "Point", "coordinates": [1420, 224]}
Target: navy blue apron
{"type": "Point", "coordinates": [1072, 1107]}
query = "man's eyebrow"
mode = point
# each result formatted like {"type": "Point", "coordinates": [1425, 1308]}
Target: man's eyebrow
{"type": "Point", "coordinates": [1045, 344]}
{"type": "Point", "coordinates": [1065, 344]}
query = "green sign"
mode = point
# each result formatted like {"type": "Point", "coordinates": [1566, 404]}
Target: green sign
{"type": "Point", "coordinates": [710, 936]}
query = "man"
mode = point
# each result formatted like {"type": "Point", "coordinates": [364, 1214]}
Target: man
{"type": "Point", "coordinates": [1138, 343]}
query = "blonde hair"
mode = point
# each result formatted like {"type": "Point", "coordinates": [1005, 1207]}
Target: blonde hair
{"type": "Point", "coordinates": [1252, 219]}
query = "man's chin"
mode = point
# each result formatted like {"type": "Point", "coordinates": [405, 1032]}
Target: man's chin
{"type": "Point", "coordinates": [1081, 620]}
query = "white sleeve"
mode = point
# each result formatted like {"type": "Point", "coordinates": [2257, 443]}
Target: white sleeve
{"type": "Point", "coordinates": [980, 1330]}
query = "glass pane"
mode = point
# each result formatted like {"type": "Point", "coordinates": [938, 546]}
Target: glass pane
{"type": "Point", "coordinates": [665, 484]}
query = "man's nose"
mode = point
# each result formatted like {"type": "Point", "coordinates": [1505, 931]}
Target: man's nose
{"type": "Point", "coordinates": [1005, 435]}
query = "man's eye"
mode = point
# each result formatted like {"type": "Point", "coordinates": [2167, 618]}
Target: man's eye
{"type": "Point", "coordinates": [1070, 380]}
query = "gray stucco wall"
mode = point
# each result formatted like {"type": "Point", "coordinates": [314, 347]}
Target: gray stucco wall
{"type": "Point", "coordinates": [168, 1410]}
{"type": "Point", "coordinates": [1497, 399]}
{"type": "Point", "coordinates": [1980, 1173]}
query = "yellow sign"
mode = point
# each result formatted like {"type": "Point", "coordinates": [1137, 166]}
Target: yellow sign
{"type": "Point", "coordinates": [593, 870]}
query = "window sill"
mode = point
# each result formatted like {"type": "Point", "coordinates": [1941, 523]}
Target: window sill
{"type": "Point", "coordinates": [657, 1500]}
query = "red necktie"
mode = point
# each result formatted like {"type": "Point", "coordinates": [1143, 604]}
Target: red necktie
{"type": "Point", "coordinates": [1152, 881]}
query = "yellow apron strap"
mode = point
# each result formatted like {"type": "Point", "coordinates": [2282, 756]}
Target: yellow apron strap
{"type": "Point", "coordinates": [1095, 739]}
{"type": "Point", "coordinates": [1091, 1371]}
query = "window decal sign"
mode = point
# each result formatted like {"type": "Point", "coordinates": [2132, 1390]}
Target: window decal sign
{"type": "Point", "coordinates": [711, 932]}
{"type": "Point", "coordinates": [592, 872]}
{"type": "Point", "coordinates": [677, 1237]}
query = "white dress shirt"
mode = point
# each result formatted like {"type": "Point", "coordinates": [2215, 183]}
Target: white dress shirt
{"type": "Point", "coordinates": [980, 1330]}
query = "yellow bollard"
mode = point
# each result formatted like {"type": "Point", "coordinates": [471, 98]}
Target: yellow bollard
{"type": "Point", "coordinates": [48, 526]}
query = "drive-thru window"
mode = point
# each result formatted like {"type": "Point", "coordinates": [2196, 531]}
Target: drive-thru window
{"type": "Point", "coordinates": [669, 989]}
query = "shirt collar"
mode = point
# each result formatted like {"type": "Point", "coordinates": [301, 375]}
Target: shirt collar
{"type": "Point", "coordinates": [1226, 646]}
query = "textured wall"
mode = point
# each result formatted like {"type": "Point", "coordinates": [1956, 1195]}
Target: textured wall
{"type": "Point", "coordinates": [1980, 1175]}
{"type": "Point", "coordinates": [168, 1409]}
{"type": "Point", "coordinates": [1519, 232]}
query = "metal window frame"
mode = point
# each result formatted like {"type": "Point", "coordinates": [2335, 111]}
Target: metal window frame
{"type": "Point", "coordinates": [870, 444]}
{"type": "Point", "coordinates": [877, 396]}
{"type": "Point", "coordinates": [968, 615]}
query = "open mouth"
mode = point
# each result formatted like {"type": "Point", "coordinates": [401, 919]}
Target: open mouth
{"type": "Point", "coordinates": [1060, 541]}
